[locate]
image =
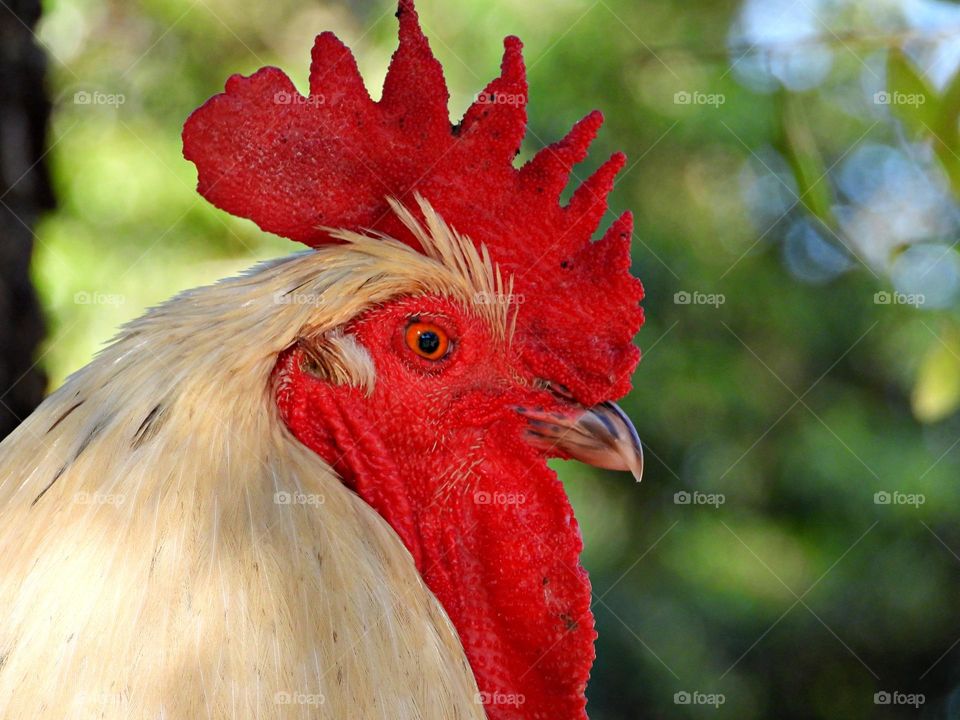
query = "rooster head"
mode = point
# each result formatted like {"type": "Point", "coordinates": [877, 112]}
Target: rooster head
{"type": "Point", "coordinates": [494, 333]}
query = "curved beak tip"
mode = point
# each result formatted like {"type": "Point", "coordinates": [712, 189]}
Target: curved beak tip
{"type": "Point", "coordinates": [602, 435]}
{"type": "Point", "coordinates": [636, 467]}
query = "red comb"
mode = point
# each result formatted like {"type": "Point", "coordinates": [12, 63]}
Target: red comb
{"type": "Point", "coordinates": [294, 164]}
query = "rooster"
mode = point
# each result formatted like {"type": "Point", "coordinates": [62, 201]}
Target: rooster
{"type": "Point", "coordinates": [320, 489]}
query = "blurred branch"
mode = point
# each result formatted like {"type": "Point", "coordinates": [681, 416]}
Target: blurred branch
{"type": "Point", "coordinates": [840, 40]}
{"type": "Point", "coordinates": [25, 192]}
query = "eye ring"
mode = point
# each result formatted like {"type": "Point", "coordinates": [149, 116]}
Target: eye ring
{"type": "Point", "coordinates": [427, 340]}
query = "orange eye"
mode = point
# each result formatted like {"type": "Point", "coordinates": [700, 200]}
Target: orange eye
{"type": "Point", "coordinates": [427, 340]}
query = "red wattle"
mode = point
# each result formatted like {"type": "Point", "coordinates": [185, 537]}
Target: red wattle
{"type": "Point", "coordinates": [489, 527]}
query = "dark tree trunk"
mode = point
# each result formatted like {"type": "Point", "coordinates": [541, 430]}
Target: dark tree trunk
{"type": "Point", "coordinates": [24, 193]}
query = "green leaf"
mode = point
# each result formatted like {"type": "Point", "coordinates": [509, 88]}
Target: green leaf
{"type": "Point", "coordinates": [800, 148]}
{"type": "Point", "coordinates": [924, 113]}
{"type": "Point", "coordinates": [912, 100]}
{"type": "Point", "coordinates": [946, 141]}
{"type": "Point", "coordinates": [936, 394]}
{"type": "Point", "coordinates": [948, 114]}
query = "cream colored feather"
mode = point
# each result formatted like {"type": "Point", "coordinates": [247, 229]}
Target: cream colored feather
{"type": "Point", "coordinates": [170, 550]}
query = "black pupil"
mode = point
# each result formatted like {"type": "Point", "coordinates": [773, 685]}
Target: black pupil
{"type": "Point", "coordinates": [428, 342]}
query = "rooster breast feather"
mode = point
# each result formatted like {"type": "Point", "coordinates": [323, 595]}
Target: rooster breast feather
{"type": "Point", "coordinates": [151, 565]}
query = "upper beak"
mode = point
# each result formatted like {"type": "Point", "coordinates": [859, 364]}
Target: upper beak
{"type": "Point", "coordinates": [601, 435]}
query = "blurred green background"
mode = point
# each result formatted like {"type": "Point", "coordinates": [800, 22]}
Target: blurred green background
{"type": "Point", "coordinates": [794, 167]}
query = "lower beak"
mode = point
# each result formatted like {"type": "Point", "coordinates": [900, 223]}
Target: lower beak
{"type": "Point", "coordinates": [602, 435]}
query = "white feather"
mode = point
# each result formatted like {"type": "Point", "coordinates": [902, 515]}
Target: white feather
{"type": "Point", "coordinates": [150, 566]}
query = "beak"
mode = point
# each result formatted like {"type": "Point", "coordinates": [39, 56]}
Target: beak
{"type": "Point", "coordinates": [602, 435]}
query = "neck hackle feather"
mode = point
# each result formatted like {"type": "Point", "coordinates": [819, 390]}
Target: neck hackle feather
{"type": "Point", "coordinates": [149, 568]}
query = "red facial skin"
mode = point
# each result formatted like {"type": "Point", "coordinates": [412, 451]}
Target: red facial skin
{"type": "Point", "coordinates": [437, 450]}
